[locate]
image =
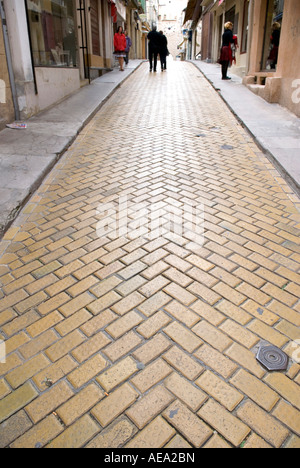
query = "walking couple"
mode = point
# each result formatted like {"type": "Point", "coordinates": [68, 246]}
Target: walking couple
{"type": "Point", "coordinates": [158, 44]}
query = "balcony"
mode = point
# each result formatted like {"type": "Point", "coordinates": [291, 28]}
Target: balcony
{"type": "Point", "coordinates": [140, 5]}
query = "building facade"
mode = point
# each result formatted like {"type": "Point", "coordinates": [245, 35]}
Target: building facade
{"type": "Point", "coordinates": [268, 55]}
{"type": "Point", "coordinates": [275, 75]}
{"type": "Point", "coordinates": [57, 46]}
{"type": "Point", "coordinates": [170, 21]}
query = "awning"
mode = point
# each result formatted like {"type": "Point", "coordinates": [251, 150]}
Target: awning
{"type": "Point", "coordinates": [193, 11]}
{"type": "Point", "coordinates": [190, 10]}
{"type": "Point", "coordinates": [114, 12]}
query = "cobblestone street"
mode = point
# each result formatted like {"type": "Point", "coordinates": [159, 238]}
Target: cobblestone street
{"type": "Point", "coordinates": [133, 334]}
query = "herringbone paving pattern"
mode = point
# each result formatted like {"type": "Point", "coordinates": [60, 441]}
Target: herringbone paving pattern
{"type": "Point", "coordinates": [146, 337]}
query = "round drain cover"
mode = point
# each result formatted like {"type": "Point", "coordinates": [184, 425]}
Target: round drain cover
{"type": "Point", "coordinates": [272, 358]}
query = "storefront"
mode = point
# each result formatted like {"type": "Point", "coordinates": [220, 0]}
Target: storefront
{"type": "Point", "coordinates": [272, 32]}
{"type": "Point", "coordinates": [52, 31]}
{"type": "Point", "coordinates": [274, 59]}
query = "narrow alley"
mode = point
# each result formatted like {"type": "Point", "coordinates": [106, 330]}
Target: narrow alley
{"type": "Point", "coordinates": [141, 280]}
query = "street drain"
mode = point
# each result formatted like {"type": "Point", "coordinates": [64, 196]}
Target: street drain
{"type": "Point", "coordinates": [272, 358]}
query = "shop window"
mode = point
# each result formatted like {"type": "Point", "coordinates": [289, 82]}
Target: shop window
{"type": "Point", "coordinates": [233, 18]}
{"type": "Point", "coordinates": [52, 32]}
{"type": "Point", "coordinates": [271, 42]}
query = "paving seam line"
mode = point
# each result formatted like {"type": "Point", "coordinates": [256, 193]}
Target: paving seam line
{"type": "Point", "coordinates": [286, 176]}
{"type": "Point", "coordinates": [35, 186]}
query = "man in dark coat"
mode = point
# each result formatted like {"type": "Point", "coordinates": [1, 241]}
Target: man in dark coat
{"type": "Point", "coordinates": [154, 47]}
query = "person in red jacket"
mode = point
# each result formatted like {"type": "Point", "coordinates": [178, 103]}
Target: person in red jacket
{"type": "Point", "coordinates": [120, 46]}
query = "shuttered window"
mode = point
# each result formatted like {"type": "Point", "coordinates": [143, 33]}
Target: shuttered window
{"type": "Point", "coordinates": [95, 27]}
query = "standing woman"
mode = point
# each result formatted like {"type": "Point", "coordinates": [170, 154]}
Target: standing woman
{"type": "Point", "coordinates": [120, 46]}
{"type": "Point", "coordinates": [226, 52]}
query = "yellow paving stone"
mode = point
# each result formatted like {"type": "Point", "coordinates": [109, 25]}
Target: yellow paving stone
{"type": "Point", "coordinates": [263, 424]}
{"type": "Point", "coordinates": [216, 360]}
{"type": "Point", "coordinates": [17, 400]}
{"type": "Point", "coordinates": [152, 349]}
{"type": "Point", "coordinates": [117, 374]}
{"type": "Point", "coordinates": [216, 442]}
{"type": "Point", "coordinates": [185, 391]}
{"type": "Point", "coordinates": [255, 389]}
{"type": "Point", "coordinates": [87, 371]}
{"type": "Point", "coordinates": [80, 404]}
{"type": "Point", "coordinates": [114, 404]}
{"type": "Point", "coordinates": [212, 335]}
{"type": "Point", "coordinates": [66, 344]}
{"type": "Point", "coordinates": [239, 334]}
{"type": "Point", "coordinates": [77, 435]}
{"type": "Point", "coordinates": [18, 376]}
{"type": "Point", "coordinates": [151, 375]}
{"type": "Point", "coordinates": [232, 311]}
{"type": "Point", "coordinates": [155, 435]}
{"type": "Point", "coordinates": [128, 303]}
{"type": "Point", "coordinates": [183, 336]}
{"type": "Point", "coordinates": [151, 405]}
{"type": "Point", "coordinates": [229, 426]}
{"type": "Point", "coordinates": [40, 434]}
{"type": "Point", "coordinates": [219, 390]}
{"type": "Point", "coordinates": [73, 322]}
{"type": "Point", "coordinates": [90, 347]}
{"type": "Point", "coordinates": [245, 358]}
{"type": "Point", "coordinates": [124, 324]}
{"type": "Point", "coordinates": [184, 420]}
{"type": "Point", "coordinates": [151, 326]}
{"type": "Point", "coordinates": [98, 322]}
{"type": "Point", "coordinates": [288, 415]}
{"type": "Point", "coordinates": [254, 441]}
{"type": "Point", "coordinates": [115, 436]}
{"type": "Point", "coordinates": [183, 314]}
{"type": "Point", "coordinates": [285, 387]}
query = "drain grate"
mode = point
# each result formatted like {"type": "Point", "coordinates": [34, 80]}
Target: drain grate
{"type": "Point", "coordinates": [272, 358]}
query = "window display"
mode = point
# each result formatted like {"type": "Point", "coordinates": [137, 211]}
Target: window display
{"type": "Point", "coordinates": [52, 32]}
{"type": "Point", "coordinates": [271, 43]}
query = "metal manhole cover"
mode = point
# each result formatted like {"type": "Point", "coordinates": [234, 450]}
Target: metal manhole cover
{"type": "Point", "coordinates": [272, 358]}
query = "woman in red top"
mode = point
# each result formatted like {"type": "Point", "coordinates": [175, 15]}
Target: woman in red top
{"type": "Point", "coordinates": [120, 46]}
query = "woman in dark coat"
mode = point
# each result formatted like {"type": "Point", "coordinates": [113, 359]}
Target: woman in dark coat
{"type": "Point", "coordinates": [226, 52]}
{"type": "Point", "coordinates": [163, 51]}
